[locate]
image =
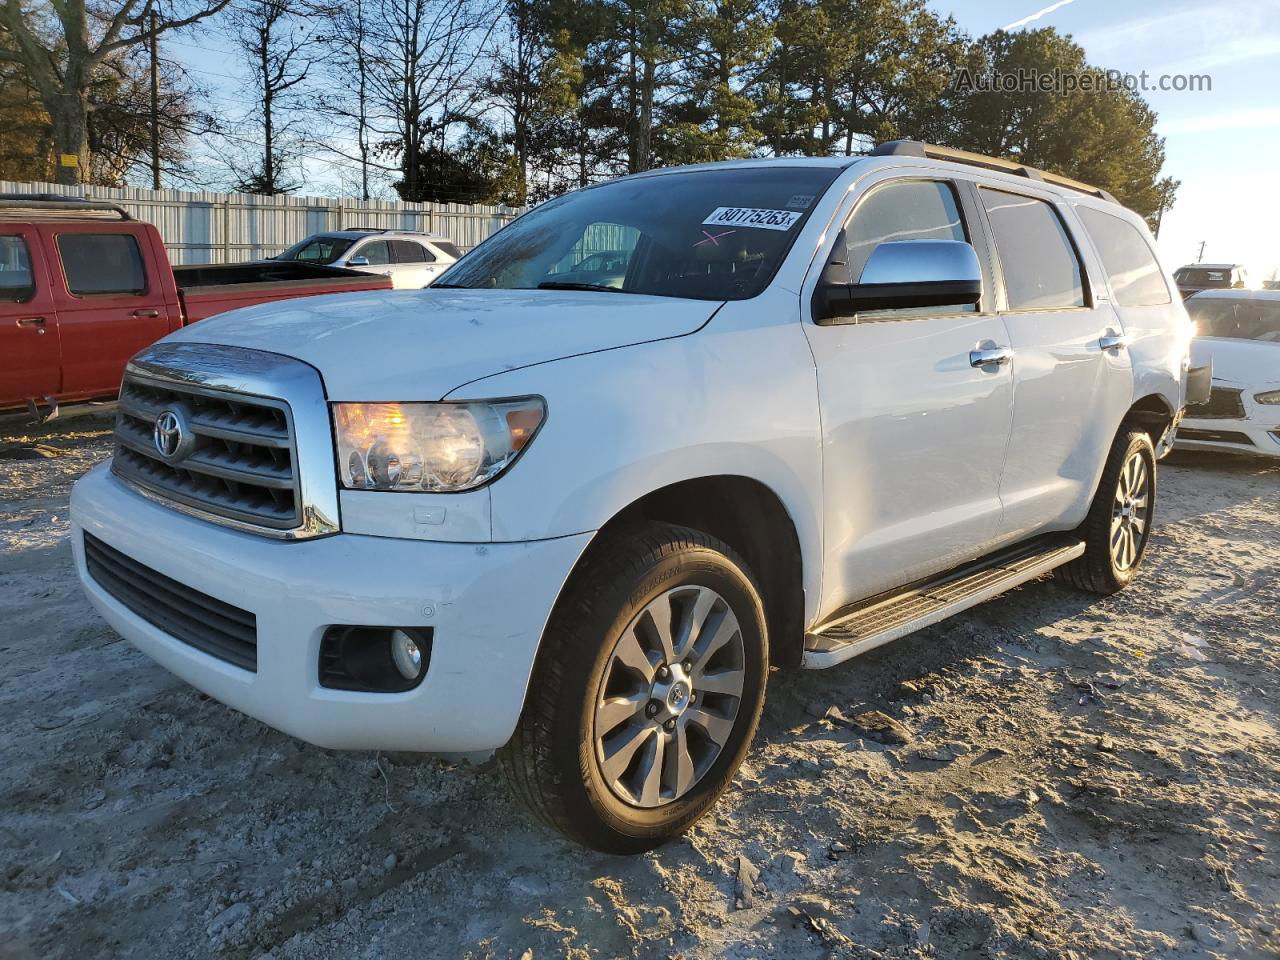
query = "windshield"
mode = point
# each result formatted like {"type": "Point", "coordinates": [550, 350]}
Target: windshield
{"type": "Point", "coordinates": [1236, 318]}
{"type": "Point", "coordinates": [702, 234]}
{"type": "Point", "coordinates": [317, 249]}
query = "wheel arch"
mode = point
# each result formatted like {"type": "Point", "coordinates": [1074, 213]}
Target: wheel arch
{"type": "Point", "coordinates": [1153, 414]}
{"type": "Point", "coordinates": [750, 517]}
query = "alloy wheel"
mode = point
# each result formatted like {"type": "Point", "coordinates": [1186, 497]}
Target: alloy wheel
{"type": "Point", "coordinates": [1130, 512]}
{"type": "Point", "coordinates": [669, 697]}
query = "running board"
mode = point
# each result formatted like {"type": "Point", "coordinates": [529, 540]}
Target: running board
{"type": "Point", "coordinates": [887, 617]}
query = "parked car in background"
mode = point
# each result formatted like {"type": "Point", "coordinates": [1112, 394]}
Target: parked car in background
{"type": "Point", "coordinates": [84, 286]}
{"type": "Point", "coordinates": [411, 260]}
{"type": "Point", "coordinates": [1238, 331]}
{"type": "Point", "coordinates": [607, 268]}
{"type": "Point", "coordinates": [1210, 276]}
{"type": "Point", "coordinates": [833, 400]}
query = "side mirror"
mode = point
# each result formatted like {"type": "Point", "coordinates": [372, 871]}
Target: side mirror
{"type": "Point", "coordinates": [902, 274]}
{"type": "Point", "coordinates": [358, 262]}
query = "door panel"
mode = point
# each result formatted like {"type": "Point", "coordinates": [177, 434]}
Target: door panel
{"type": "Point", "coordinates": [914, 435]}
{"type": "Point", "coordinates": [29, 357]}
{"type": "Point", "coordinates": [914, 443]}
{"type": "Point", "coordinates": [412, 264]}
{"type": "Point", "coordinates": [111, 302]}
{"type": "Point", "coordinates": [1070, 393]}
{"type": "Point", "coordinates": [1069, 398]}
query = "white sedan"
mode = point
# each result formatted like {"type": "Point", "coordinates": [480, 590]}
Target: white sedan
{"type": "Point", "coordinates": [1238, 331]}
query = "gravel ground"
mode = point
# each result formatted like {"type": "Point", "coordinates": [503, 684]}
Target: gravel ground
{"type": "Point", "coordinates": [1084, 778]}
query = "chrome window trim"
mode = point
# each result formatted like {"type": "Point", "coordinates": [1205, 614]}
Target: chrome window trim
{"type": "Point", "coordinates": [258, 375]}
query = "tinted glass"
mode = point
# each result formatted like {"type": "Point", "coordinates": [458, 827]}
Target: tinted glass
{"type": "Point", "coordinates": [16, 283]}
{"type": "Point", "coordinates": [1204, 277]}
{"type": "Point", "coordinates": [102, 263]}
{"type": "Point", "coordinates": [318, 249]}
{"type": "Point", "coordinates": [906, 210]}
{"type": "Point", "coordinates": [406, 251]}
{"type": "Point", "coordinates": [447, 248]}
{"type": "Point", "coordinates": [1041, 270]}
{"type": "Point", "coordinates": [601, 256]}
{"type": "Point", "coordinates": [1135, 276]}
{"type": "Point", "coordinates": [376, 252]}
{"type": "Point", "coordinates": [1236, 318]}
{"type": "Point", "coordinates": [704, 234]}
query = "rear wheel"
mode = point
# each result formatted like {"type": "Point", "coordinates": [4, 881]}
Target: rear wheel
{"type": "Point", "coordinates": [1118, 526]}
{"type": "Point", "coordinates": [646, 693]}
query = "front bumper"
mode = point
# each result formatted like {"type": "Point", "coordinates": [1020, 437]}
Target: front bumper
{"type": "Point", "coordinates": [487, 603]}
{"type": "Point", "coordinates": [1260, 438]}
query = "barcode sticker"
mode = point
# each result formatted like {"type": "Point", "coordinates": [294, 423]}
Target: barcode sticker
{"type": "Point", "coordinates": [753, 217]}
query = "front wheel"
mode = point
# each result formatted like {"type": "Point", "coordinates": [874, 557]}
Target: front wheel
{"type": "Point", "coordinates": [646, 692]}
{"type": "Point", "coordinates": [1118, 526]}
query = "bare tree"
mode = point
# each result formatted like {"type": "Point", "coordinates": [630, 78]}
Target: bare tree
{"type": "Point", "coordinates": [278, 48]}
{"type": "Point", "coordinates": [346, 40]}
{"type": "Point", "coordinates": [64, 52]}
{"type": "Point", "coordinates": [420, 75]}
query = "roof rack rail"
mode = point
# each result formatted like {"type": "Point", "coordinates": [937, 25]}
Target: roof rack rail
{"type": "Point", "coordinates": [914, 148]}
{"type": "Point", "coordinates": [366, 229]}
{"type": "Point", "coordinates": [54, 201]}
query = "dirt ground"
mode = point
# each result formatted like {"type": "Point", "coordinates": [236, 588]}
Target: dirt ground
{"type": "Point", "coordinates": [1086, 779]}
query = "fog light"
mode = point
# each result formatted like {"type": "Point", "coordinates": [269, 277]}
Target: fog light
{"type": "Point", "coordinates": [405, 653]}
{"type": "Point", "coordinates": [374, 659]}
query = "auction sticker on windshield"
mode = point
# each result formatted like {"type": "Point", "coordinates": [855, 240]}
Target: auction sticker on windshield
{"type": "Point", "coordinates": [753, 217]}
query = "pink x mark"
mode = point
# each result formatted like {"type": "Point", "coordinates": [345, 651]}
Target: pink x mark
{"type": "Point", "coordinates": [715, 239]}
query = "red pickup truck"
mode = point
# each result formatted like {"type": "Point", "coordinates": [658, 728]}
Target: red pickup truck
{"type": "Point", "coordinates": [83, 287]}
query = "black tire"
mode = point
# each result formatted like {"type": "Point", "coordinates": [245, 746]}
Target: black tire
{"type": "Point", "coordinates": [1098, 570]}
{"type": "Point", "coordinates": [551, 761]}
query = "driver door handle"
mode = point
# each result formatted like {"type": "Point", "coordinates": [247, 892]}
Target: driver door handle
{"type": "Point", "coordinates": [146, 313]}
{"type": "Point", "coordinates": [1112, 342]}
{"type": "Point", "coordinates": [995, 355]}
{"type": "Point", "coordinates": [37, 322]}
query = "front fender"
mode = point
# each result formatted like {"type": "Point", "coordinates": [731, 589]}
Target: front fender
{"type": "Point", "coordinates": [736, 398]}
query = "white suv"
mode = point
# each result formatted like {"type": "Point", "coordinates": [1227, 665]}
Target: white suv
{"type": "Point", "coordinates": [829, 402]}
{"type": "Point", "coordinates": [411, 260]}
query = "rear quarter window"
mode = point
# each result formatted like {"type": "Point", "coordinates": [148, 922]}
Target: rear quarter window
{"type": "Point", "coordinates": [1136, 280]}
{"type": "Point", "coordinates": [1039, 262]}
{"type": "Point", "coordinates": [102, 263]}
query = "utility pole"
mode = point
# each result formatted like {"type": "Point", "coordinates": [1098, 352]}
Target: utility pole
{"type": "Point", "coordinates": [155, 106]}
{"type": "Point", "coordinates": [1200, 256]}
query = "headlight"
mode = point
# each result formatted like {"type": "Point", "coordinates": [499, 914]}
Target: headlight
{"type": "Point", "coordinates": [435, 447]}
{"type": "Point", "coordinates": [1272, 396]}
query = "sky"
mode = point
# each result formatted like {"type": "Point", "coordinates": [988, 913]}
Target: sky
{"type": "Point", "coordinates": [1222, 142]}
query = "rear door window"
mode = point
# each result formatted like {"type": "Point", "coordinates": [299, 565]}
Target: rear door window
{"type": "Point", "coordinates": [447, 248]}
{"type": "Point", "coordinates": [1040, 265]}
{"type": "Point", "coordinates": [102, 263]}
{"type": "Point", "coordinates": [406, 251]}
{"type": "Point", "coordinates": [17, 283]}
{"type": "Point", "coordinates": [1136, 280]}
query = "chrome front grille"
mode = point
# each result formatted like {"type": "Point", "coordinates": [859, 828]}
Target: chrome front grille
{"type": "Point", "coordinates": [240, 461]}
{"type": "Point", "coordinates": [207, 429]}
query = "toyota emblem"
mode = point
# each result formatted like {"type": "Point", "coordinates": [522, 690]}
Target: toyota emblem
{"type": "Point", "coordinates": [170, 435]}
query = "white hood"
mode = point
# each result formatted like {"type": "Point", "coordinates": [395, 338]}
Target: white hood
{"type": "Point", "coordinates": [1246, 362]}
{"type": "Point", "coordinates": [421, 344]}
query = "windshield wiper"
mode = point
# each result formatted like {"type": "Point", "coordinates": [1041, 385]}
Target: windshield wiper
{"type": "Point", "coordinates": [450, 286]}
{"type": "Point", "coordinates": [570, 285]}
